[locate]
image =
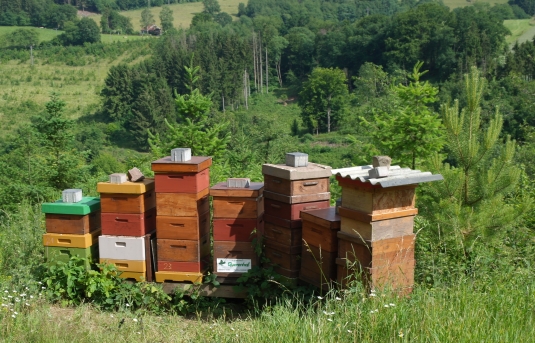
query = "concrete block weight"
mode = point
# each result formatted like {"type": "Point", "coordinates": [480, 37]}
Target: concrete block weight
{"type": "Point", "coordinates": [238, 182]}
{"type": "Point", "coordinates": [296, 159]}
{"type": "Point", "coordinates": [71, 195]}
{"type": "Point", "coordinates": [118, 178]}
{"type": "Point", "coordinates": [181, 154]}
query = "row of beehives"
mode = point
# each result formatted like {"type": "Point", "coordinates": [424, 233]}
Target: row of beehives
{"type": "Point", "coordinates": [172, 211]}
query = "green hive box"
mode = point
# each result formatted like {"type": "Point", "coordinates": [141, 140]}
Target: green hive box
{"type": "Point", "coordinates": [56, 254]}
{"type": "Point", "coordinates": [85, 206]}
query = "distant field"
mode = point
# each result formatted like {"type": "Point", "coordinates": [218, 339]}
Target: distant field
{"type": "Point", "coordinates": [182, 13]}
{"type": "Point", "coordinates": [48, 34]}
{"type": "Point", "coordinates": [44, 34]}
{"type": "Point", "coordinates": [521, 29]}
{"type": "Point", "coordinates": [462, 3]}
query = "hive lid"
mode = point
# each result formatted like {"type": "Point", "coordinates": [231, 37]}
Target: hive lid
{"type": "Point", "coordinates": [311, 171]}
{"type": "Point", "coordinates": [140, 187]}
{"type": "Point", "coordinates": [85, 206]}
{"type": "Point", "coordinates": [221, 189]}
{"type": "Point", "coordinates": [397, 176]}
{"type": "Point", "coordinates": [326, 217]}
{"type": "Point", "coordinates": [194, 165]}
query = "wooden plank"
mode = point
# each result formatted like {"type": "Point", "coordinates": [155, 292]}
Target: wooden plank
{"type": "Point", "coordinates": [127, 203]}
{"type": "Point", "coordinates": [195, 165]}
{"type": "Point", "coordinates": [255, 190]}
{"type": "Point", "coordinates": [296, 187]}
{"type": "Point", "coordinates": [317, 235]}
{"type": "Point", "coordinates": [128, 187]}
{"type": "Point", "coordinates": [378, 230]}
{"type": "Point", "coordinates": [173, 266]}
{"type": "Point", "coordinates": [182, 182]}
{"type": "Point", "coordinates": [189, 228]}
{"type": "Point", "coordinates": [238, 230]}
{"type": "Point", "coordinates": [233, 207]}
{"type": "Point", "coordinates": [291, 211]}
{"type": "Point", "coordinates": [282, 235]}
{"type": "Point", "coordinates": [183, 250]}
{"type": "Point", "coordinates": [71, 241]}
{"type": "Point", "coordinates": [127, 265]}
{"type": "Point", "coordinates": [326, 217]}
{"type": "Point", "coordinates": [297, 199]}
{"type": "Point", "coordinates": [367, 218]}
{"type": "Point", "coordinates": [128, 224]}
{"type": "Point", "coordinates": [192, 277]}
{"type": "Point", "coordinates": [73, 224]}
{"type": "Point", "coordinates": [182, 204]}
{"type": "Point", "coordinates": [206, 290]}
{"type": "Point", "coordinates": [291, 224]}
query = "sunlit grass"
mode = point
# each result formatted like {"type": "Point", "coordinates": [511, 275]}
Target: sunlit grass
{"type": "Point", "coordinates": [517, 28]}
{"type": "Point", "coordinates": [182, 13]}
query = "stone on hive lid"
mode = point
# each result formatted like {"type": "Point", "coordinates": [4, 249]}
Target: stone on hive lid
{"type": "Point", "coordinates": [296, 159]}
{"type": "Point", "coordinates": [181, 154]}
{"type": "Point", "coordinates": [381, 161]}
{"type": "Point", "coordinates": [118, 178]}
{"type": "Point", "coordinates": [71, 195]}
{"type": "Point", "coordinates": [135, 174]}
{"type": "Point", "coordinates": [238, 182]}
{"type": "Point", "coordinates": [378, 172]}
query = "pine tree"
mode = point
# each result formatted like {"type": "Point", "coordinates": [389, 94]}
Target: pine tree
{"type": "Point", "coordinates": [193, 129]}
{"type": "Point", "coordinates": [480, 171]}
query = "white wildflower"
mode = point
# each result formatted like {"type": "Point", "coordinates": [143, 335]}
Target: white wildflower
{"type": "Point", "coordinates": [134, 319]}
{"type": "Point", "coordinates": [13, 316]}
{"type": "Point", "coordinates": [127, 305]}
{"type": "Point", "coordinates": [320, 298]}
{"type": "Point", "coordinates": [349, 331]}
{"type": "Point", "coordinates": [232, 329]}
{"type": "Point", "coordinates": [27, 304]}
{"type": "Point", "coordinates": [373, 295]}
{"type": "Point", "coordinates": [392, 305]}
{"type": "Point", "coordinates": [337, 298]}
{"type": "Point", "coordinates": [386, 305]}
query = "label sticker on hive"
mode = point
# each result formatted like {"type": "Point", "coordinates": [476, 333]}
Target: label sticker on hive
{"type": "Point", "coordinates": [231, 265]}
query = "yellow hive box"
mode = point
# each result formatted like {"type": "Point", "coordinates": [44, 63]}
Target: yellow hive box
{"type": "Point", "coordinates": [140, 187]}
{"type": "Point", "coordinates": [127, 265]}
{"type": "Point", "coordinates": [179, 277]}
{"type": "Point", "coordinates": [133, 275]}
{"type": "Point", "coordinates": [70, 240]}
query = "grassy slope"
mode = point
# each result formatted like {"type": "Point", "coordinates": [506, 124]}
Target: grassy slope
{"type": "Point", "coordinates": [517, 27]}
{"type": "Point", "coordinates": [182, 13]}
{"type": "Point", "coordinates": [462, 3]}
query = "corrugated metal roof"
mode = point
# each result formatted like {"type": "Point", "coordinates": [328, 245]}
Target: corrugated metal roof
{"type": "Point", "coordinates": [397, 176]}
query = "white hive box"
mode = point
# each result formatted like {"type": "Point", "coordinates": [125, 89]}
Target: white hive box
{"type": "Point", "coordinates": [122, 248]}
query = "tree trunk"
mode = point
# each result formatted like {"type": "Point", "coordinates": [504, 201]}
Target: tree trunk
{"type": "Point", "coordinates": [223, 100]}
{"type": "Point", "coordinates": [254, 61]}
{"type": "Point", "coordinates": [261, 68]}
{"type": "Point", "coordinates": [267, 70]}
{"type": "Point", "coordinates": [329, 115]}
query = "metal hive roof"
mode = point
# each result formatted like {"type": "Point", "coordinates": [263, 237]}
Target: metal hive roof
{"type": "Point", "coordinates": [397, 176]}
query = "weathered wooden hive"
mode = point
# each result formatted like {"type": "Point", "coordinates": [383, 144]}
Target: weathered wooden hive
{"type": "Point", "coordinates": [377, 212]}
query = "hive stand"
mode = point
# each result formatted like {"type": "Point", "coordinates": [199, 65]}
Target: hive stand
{"type": "Point", "coordinates": [376, 241]}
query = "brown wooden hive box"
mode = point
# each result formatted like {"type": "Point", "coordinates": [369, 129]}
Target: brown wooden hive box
{"type": "Point", "coordinates": [179, 250]}
{"type": "Point", "coordinates": [182, 204]}
{"type": "Point", "coordinates": [120, 224]}
{"type": "Point", "coordinates": [187, 228]}
{"type": "Point", "coordinates": [232, 250]}
{"type": "Point", "coordinates": [399, 277]}
{"type": "Point", "coordinates": [173, 266]}
{"type": "Point", "coordinates": [234, 207]}
{"type": "Point", "coordinates": [311, 171]}
{"type": "Point", "coordinates": [237, 230]}
{"type": "Point", "coordinates": [285, 257]}
{"type": "Point", "coordinates": [195, 165]}
{"type": "Point", "coordinates": [297, 199]}
{"type": "Point", "coordinates": [320, 228]}
{"type": "Point", "coordinates": [296, 187]}
{"type": "Point", "coordinates": [182, 182]}
{"type": "Point", "coordinates": [73, 224]}
{"type": "Point", "coordinates": [318, 267]}
{"type": "Point", "coordinates": [254, 190]}
{"type": "Point", "coordinates": [378, 253]}
{"type": "Point", "coordinates": [291, 224]}
{"type": "Point", "coordinates": [377, 230]}
{"type": "Point", "coordinates": [127, 203]}
{"type": "Point", "coordinates": [282, 235]}
{"type": "Point", "coordinates": [291, 211]}
{"type": "Point", "coordinates": [376, 201]}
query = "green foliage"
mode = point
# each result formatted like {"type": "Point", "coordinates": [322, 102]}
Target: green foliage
{"type": "Point", "coordinates": [194, 129]}
{"type": "Point", "coordinates": [411, 131]}
{"type": "Point", "coordinates": [476, 200]}
{"type": "Point", "coordinates": [147, 18]}
{"type": "Point", "coordinates": [166, 18]}
{"type": "Point", "coordinates": [80, 32]}
{"type": "Point", "coordinates": [211, 7]}
{"type": "Point", "coordinates": [324, 98]}
{"type": "Point", "coordinates": [23, 38]}
{"type": "Point", "coordinates": [113, 22]}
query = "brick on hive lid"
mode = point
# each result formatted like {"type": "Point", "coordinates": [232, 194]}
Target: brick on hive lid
{"type": "Point", "coordinates": [296, 159]}
{"type": "Point", "coordinates": [181, 154]}
{"type": "Point", "coordinates": [71, 195]}
{"type": "Point", "coordinates": [238, 182]}
{"type": "Point", "coordinates": [381, 167]}
{"type": "Point", "coordinates": [135, 175]}
{"type": "Point", "coordinates": [118, 178]}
